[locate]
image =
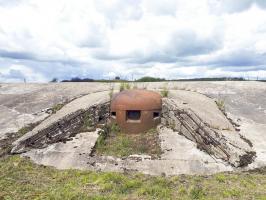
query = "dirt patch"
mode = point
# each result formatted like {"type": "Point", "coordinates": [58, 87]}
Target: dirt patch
{"type": "Point", "coordinates": [112, 142]}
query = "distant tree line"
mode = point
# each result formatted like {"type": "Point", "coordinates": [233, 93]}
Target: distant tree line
{"type": "Point", "coordinates": [150, 79]}
{"type": "Point", "coordinates": [213, 79]}
{"type": "Point", "coordinates": [77, 79]}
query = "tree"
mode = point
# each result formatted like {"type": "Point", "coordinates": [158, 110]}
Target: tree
{"type": "Point", "coordinates": [54, 80]}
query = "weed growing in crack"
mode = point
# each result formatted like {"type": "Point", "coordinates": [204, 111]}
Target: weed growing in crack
{"type": "Point", "coordinates": [115, 128]}
{"type": "Point", "coordinates": [87, 123]}
{"type": "Point", "coordinates": [57, 107]}
{"type": "Point", "coordinates": [24, 130]}
{"type": "Point", "coordinates": [164, 91]}
{"type": "Point", "coordinates": [221, 104]}
{"type": "Point", "coordinates": [124, 86]}
{"type": "Point", "coordinates": [111, 93]}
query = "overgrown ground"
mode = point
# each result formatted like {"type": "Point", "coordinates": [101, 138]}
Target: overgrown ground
{"type": "Point", "coordinates": [118, 144]}
{"type": "Point", "coordinates": [21, 179]}
{"type": "Point", "coordinates": [6, 144]}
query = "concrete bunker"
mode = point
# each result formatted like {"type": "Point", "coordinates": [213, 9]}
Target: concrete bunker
{"type": "Point", "coordinates": [136, 111]}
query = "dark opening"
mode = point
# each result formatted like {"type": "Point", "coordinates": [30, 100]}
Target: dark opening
{"type": "Point", "coordinates": [113, 114]}
{"type": "Point", "coordinates": [156, 114]}
{"type": "Point", "coordinates": [101, 119]}
{"type": "Point", "coordinates": [133, 115]}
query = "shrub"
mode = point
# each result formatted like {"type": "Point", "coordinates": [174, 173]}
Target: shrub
{"type": "Point", "coordinates": [111, 93]}
{"type": "Point", "coordinates": [124, 86]}
{"type": "Point", "coordinates": [220, 178]}
{"type": "Point", "coordinates": [165, 92]}
{"type": "Point", "coordinates": [221, 104]}
{"type": "Point", "coordinates": [56, 107]}
{"type": "Point", "coordinates": [197, 193]}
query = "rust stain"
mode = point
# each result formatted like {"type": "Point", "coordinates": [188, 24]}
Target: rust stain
{"type": "Point", "coordinates": [136, 111]}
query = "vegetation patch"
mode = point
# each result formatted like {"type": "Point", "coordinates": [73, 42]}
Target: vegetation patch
{"type": "Point", "coordinates": [20, 179]}
{"type": "Point", "coordinates": [57, 107]}
{"type": "Point", "coordinates": [164, 92]}
{"type": "Point", "coordinates": [221, 104]}
{"type": "Point", "coordinates": [6, 144]}
{"type": "Point", "coordinates": [124, 86]}
{"type": "Point", "coordinates": [150, 79]}
{"type": "Point", "coordinates": [87, 124]}
{"type": "Point", "coordinates": [116, 143]}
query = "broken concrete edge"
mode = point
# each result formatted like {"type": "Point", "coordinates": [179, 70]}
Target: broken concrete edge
{"type": "Point", "coordinates": [223, 110]}
{"type": "Point", "coordinates": [190, 125]}
{"type": "Point", "coordinates": [61, 130]}
{"type": "Point", "coordinates": [238, 153]}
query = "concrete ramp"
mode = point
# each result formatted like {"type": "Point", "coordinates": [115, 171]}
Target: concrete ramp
{"type": "Point", "coordinates": [66, 122]}
{"type": "Point", "coordinates": [227, 145]}
{"type": "Point", "coordinates": [195, 136]}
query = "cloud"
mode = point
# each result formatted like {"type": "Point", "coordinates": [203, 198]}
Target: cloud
{"type": "Point", "coordinates": [103, 39]}
{"type": "Point", "coordinates": [19, 73]}
{"type": "Point", "coordinates": [229, 6]}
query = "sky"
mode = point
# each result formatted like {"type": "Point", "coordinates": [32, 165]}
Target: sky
{"type": "Point", "coordinates": [100, 39]}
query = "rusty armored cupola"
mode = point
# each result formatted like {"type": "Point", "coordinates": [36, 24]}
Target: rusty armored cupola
{"type": "Point", "coordinates": [136, 111]}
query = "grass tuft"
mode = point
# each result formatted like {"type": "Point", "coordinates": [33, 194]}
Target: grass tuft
{"type": "Point", "coordinates": [57, 107]}
{"type": "Point", "coordinates": [116, 143]}
{"type": "Point", "coordinates": [124, 86]}
{"type": "Point", "coordinates": [164, 91]}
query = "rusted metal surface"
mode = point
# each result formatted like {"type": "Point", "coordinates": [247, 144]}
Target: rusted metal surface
{"type": "Point", "coordinates": [136, 111]}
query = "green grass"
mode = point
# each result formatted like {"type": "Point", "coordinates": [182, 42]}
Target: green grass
{"type": "Point", "coordinates": [111, 93]}
{"type": "Point", "coordinates": [24, 130]}
{"type": "Point", "coordinates": [6, 144]}
{"type": "Point", "coordinates": [165, 91]}
{"type": "Point", "coordinates": [221, 104]}
{"type": "Point", "coordinates": [57, 107]}
{"type": "Point", "coordinates": [120, 144]}
{"type": "Point", "coordinates": [87, 123]}
{"type": "Point", "coordinates": [124, 86]}
{"type": "Point", "coordinates": [21, 179]}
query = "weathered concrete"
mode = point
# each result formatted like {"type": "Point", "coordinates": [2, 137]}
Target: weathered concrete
{"type": "Point", "coordinates": [226, 145]}
{"type": "Point", "coordinates": [180, 156]}
{"type": "Point", "coordinates": [66, 122]}
{"type": "Point", "coordinates": [205, 108]}
{"type": "Point", "coordinates": [23, 104]}
{"type": "Point", "coordinates": [65, 155]}
{"type": "Point", "coordinates": [245, 103]}
{"type": "Point", "coordinates": [184, 152]}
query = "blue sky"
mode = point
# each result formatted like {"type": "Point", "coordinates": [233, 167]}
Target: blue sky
{"type": "Point", "coordinates": [43, 39]}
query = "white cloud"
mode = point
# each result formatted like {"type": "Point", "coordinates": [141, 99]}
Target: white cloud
{"type": "Point", "coordinates": [19, 73]}
{"type": "Point", "coordinates": [102, 39]}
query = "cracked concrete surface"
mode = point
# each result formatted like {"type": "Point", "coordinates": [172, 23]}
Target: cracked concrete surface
{"type": "Point", "coordinates": [22, 104]}
{"type": "Point", "coordinates": [245, 103]}
{"type": "Point", "coordinates": [66, 155]}
{"type": "Point", "coordinates": [180, 156]}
